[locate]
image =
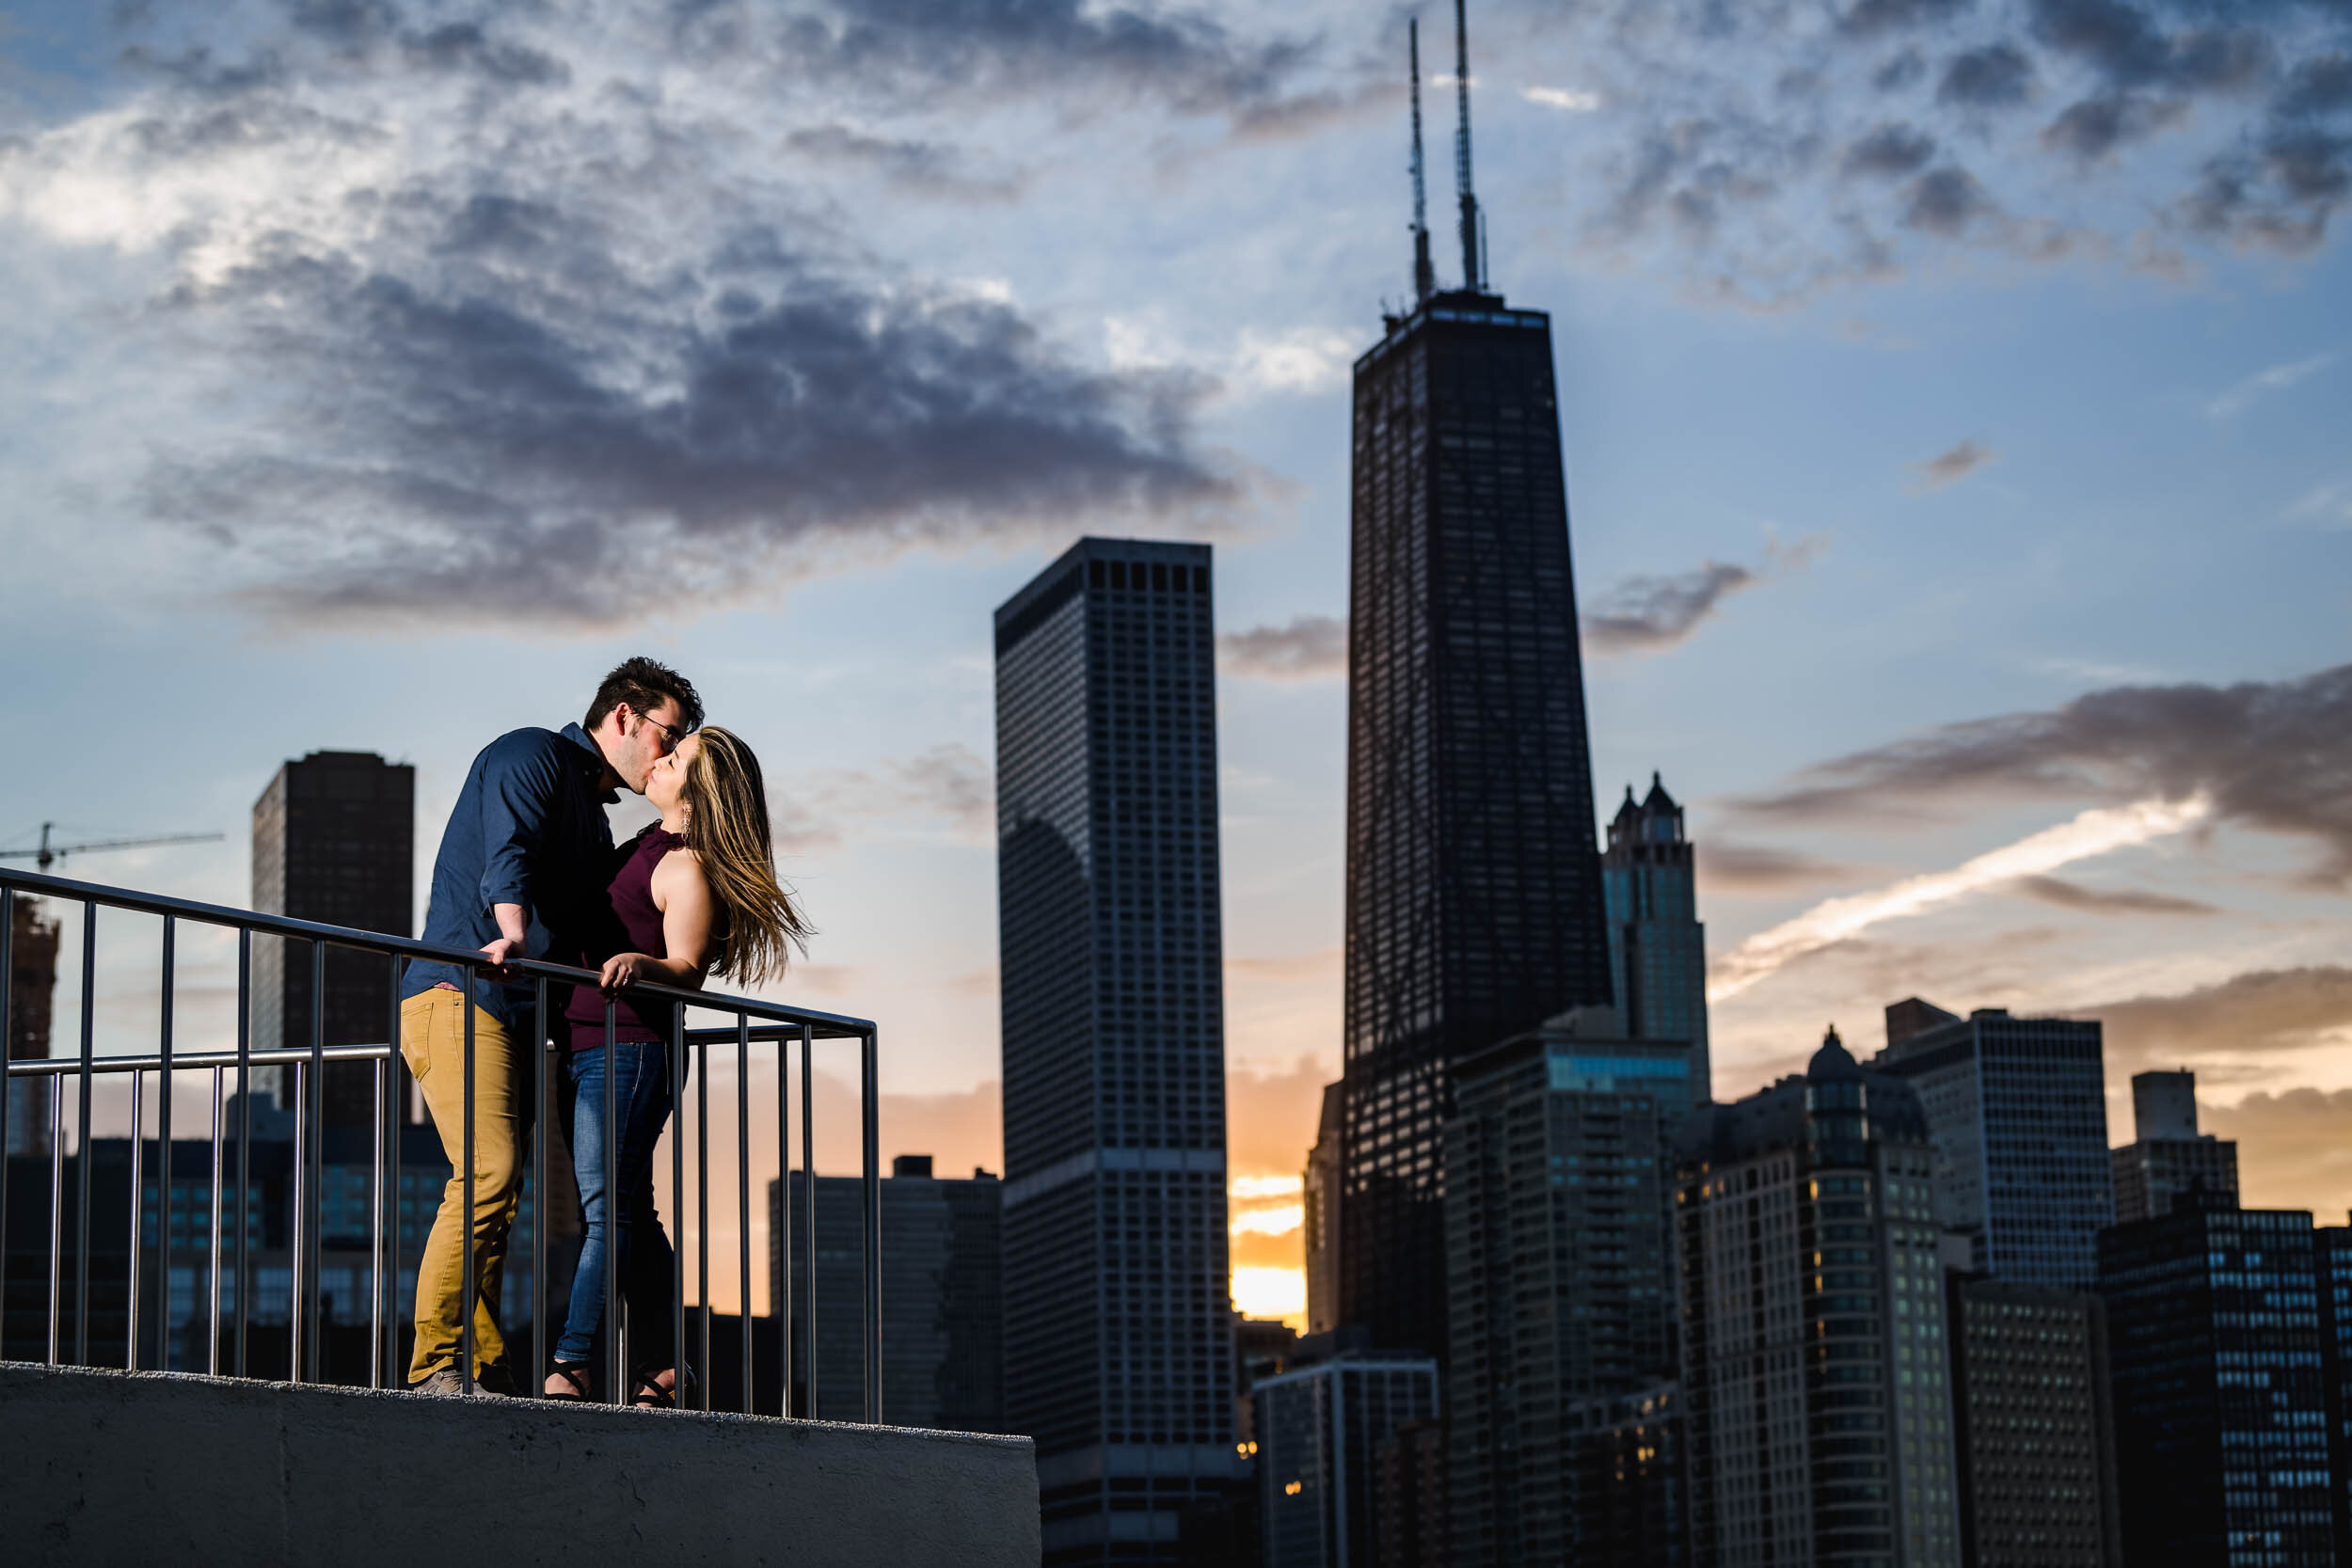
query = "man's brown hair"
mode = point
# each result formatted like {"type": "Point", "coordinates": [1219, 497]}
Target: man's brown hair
{"type": "Point", "coordinates": [644, 685]}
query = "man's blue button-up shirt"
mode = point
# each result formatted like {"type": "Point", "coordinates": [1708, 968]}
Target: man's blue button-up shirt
{"type": "Point", "coordinates": [529, 829]}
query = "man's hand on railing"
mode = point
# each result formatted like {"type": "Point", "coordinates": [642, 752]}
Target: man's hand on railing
{"type": "Point", "coordinates": [498, 952]}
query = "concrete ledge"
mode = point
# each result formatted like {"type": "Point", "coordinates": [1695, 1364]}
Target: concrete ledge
{"type": "Point", "coordinates": [113, 1467]}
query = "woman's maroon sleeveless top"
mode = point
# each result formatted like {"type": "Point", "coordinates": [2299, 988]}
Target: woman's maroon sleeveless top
{"type": "Point", "coordinates": [631, 923]}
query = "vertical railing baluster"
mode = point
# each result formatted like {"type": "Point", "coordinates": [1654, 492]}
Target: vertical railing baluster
{"type": "Point", "coordinates": [239, 1292]}
{"type": "Point", "coordinates": [164, 1162]}
{"type": "Point", "coordinates": [7, 1088]}
{"type": "Point", "coordinates": [309, 1285]}
{"type": "Point", "coordinates": [870, 1097]}
{"type": "Point", "coordinates": [378, 1095]}
{"type": "Point", "coordinates": [296, 1340]}
{"type": "Point", "coordinates": [611, 1215]}
{"type": "Point", "coordinates": [212, 1273]}
{"type": "Point", "coordinates": [396, 1113]}
{"type": "Point", "coordinates": [57, 1213]}
{"type": "Point", "coordinates": [677, 1204]}
{"type": "Point", "coordinates": [537, 1056]}
{"type": "Point", "coordinates": [81, 1160]}
{"type": "Point", "coordinates": [743, 1190]}
{"type": "Point", "coordinates": [702, 1202]}
{"type": "Point", "coordinates": [780, 1224]}
{"type": "Point", "coordinates": [138, 1244]}
{"type": "Point", "coordinates": [808, 1219]}
{"type": "Point", "coordinates": [466, 1303]}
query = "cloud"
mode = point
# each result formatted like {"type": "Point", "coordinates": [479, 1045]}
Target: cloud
{"type": "Point", "coordinates": [2072, 895]}
{"type": "Point", "coordinates": [2259, 1012]}
{"type": "Point", "coordinates": [1890, 150]}
{"type": "Point", "coordinates": [1997, 76]}
{"type": "Point", "coordinates": [950, 781]}
{"type": "Point", "coordinates": [2094, 128]}
{"type": "Point", "coordinates": [918, 168]}
{"type": "Point", "coordinates": [2097, 831]}
{"type": "Point", "coordinates": [1955, 464]}
{"type": "Point", "coordinates": [2278, 378]}
{"type": "Point", "coordinates": [1650, 615]}
{"type": "Point", "coordinates": [2294, 1148]}
{"type": "Point", "coordinates": [1944, 201]}
{"type": "Point", "coordinates": [1724, 865]}
{"type": "Point", "coordinates": [1310, 647]}
{"type": "Point", "coordinates": [1570, 99]}
{"type": "Point", "coordinates": [2276, 756]}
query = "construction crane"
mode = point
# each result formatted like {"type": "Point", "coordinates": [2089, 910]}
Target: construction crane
{"type": "Point", "coordinates": [49, 854]}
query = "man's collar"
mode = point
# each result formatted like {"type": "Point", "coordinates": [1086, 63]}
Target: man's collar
{"type": "Point", "coordinates": [593, 762]}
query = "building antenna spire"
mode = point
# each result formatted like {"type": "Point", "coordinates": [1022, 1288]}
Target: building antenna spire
{"type": "Point", "coordinates": [1425, 274]}
{"type": "Point", "coordinates": [1473, 273]}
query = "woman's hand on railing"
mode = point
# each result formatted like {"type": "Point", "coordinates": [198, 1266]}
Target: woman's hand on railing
{"type": "Point", "coordinates": [623, 970]}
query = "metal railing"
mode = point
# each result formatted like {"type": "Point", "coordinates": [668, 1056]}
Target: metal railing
{"type": "Point", "coordinates": [765, 1023]}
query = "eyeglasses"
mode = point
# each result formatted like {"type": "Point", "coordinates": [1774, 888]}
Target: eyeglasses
{"type": "Point", "coordinates": [669, 736]}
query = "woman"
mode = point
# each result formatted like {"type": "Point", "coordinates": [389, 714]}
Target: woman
{"type": "Point", "coordinates": [695, 893]}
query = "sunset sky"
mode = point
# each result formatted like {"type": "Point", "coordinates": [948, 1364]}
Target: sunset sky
{"type": "Point", "coordinates": [1954, 392]}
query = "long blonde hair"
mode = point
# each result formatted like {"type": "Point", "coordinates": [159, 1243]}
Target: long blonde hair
{"type": "Point", "coordinates": [726, 827]}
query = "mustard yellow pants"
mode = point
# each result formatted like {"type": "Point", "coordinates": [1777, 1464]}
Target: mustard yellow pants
{"type": "Point", "coordinates": [433, 1042]}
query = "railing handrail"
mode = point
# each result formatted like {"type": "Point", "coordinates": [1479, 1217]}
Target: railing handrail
{"type": "Point", "coordinates": [825, 1025]}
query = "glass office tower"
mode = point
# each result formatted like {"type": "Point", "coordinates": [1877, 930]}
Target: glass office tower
{"type": "Point", "coordinates": [1118, 1356]}
{"type": "Point", "coordinates": [1473, 884]}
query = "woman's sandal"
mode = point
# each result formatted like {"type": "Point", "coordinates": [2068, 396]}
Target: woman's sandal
{"type": "Point", "coordinates": [651, 1395]}
{"type": "Point", "coordinates": [573, 1373]}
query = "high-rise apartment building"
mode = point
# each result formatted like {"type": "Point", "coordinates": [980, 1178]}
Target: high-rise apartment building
{"type": "Point", "coordinates": [2034, 1426]}
{"type": "Point", "coordinates": [2017, 1108]}
{"type": "Point", "coordinates": [1560, 1262]}
{"type": "Point", "coordinates": [1320, 1430]}
{"type": "Point", "coordinates": [1632, 1486]}
{"type": "Point", "coordinates": [1118, 1356]}
{"type": "Point", "coordinates": [1817, 1398]}
{"type": "Point", "coordinates": [942, 1295]}
{"type": "Point", "coordinates": [32, 982]}
{"type": "Point", "coordinates": [1320, 1209]}
{"type": "Point", "coordinates": [1657, 946]}
{"type": "Point", "coordinates": [334, 840]}
{"type": "Point", "coordinates": [2334, 1258]}
{"type": "Point", "coordinates": [2220, 1405]}
{"type": "Point", "coordinates": [2167, 1154]}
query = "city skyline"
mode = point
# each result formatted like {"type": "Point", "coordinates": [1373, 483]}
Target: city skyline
{"type": "Point", "coordinates": [1896, 582]}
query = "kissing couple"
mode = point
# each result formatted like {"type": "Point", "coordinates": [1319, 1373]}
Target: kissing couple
{"type": "Point", "coordinates": [528, 869]}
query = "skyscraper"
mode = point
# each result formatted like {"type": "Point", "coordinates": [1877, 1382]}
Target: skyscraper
{"type": "Point", "coordinates": [1657, 947]}
{"type": "Point", "coordinates": [2334, 1256]}
{"type": "Point", "coordinates": [1319, 1432]}
{"type": "Point", "coordinates": [2167, 1154]}
{"type": "Point", "coordinates": [942, 1295]}
{"type": "Point", "coordinates": [2017, 1108]}
{"type": "Point", "coordinates": [334, 840]}
{"type": "Point", "coordinates": [1319, 1205]}
{"type": "Point", "coordinates": [2221, 1404]}
{"type": "Point", "coordinates": [32, 982]}
{"type": "Point", "coordinates": [2034, 1425]}
{"type": "Point", "coordinates": [1559, 1204]}
{"type": "Point", "coordinates": [1814, 1376]}
{"type": "Point", "coordinates": [1474, 885]}
{"type": "Point", "coordinates": [1119, 1355]}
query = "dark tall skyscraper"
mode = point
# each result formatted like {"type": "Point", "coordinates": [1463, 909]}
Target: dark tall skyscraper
{"type": "Point", "coordinates": [1657, 947]}
{"type": "Point", "coordinates": [1474, 885]}
{"type": "Point", "coordinates": [2018, 1111]}
{"type": "Point", "coordinates": [2334, 1256]}
{"type": "Point", "coordinates": [1118, 1356]}
{"type": "Point", "coordinates": [334, 840]}
{"type": "Point", "coordinates": [2220, 1404]}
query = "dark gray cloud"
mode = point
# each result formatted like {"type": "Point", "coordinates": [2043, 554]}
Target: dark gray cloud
{"type": "Point", "coordinates": [922, 167]}
{"type": "Point", "coordinates": [2095, 127]}
{"type": "Point", "coordinates": [1953, 464]}
{"type": "Point", "coordinates": [1730, 867]}
{"type": "Point", "coordinates": [1944, 201]}
{"type": "Point", "coordinates": [1310, 647]}
{"type": "Point", "coordinates": [2261, 1011]}
{"type": "Point", "coordinates": [1993, 77]}
{"type": "Point", "coordinates": [2271, 756]}
{"type": "Point", "coordinates": [2086, 900]}
{"type": "Point", "coordinates": [1646, 614]}
{"type": "Point", "coordinates": [2131, 46]}
{"type": "Point", "coordinates": [1890, 150]}
{"type": "Point", "coordinates": [472, 447]}
{"type": "Point", "coordinates": [1869, 18]}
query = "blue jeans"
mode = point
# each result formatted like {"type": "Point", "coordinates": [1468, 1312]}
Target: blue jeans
{"type": "Point", "coordinates": [642, 1088]}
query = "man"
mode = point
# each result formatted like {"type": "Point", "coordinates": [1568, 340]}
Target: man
{"type": "Point", "coordinates": [520, 869]}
